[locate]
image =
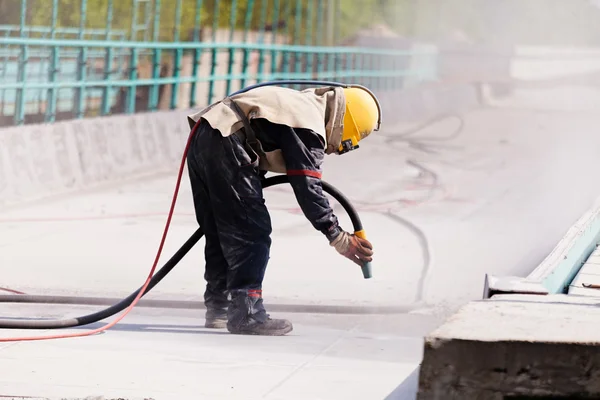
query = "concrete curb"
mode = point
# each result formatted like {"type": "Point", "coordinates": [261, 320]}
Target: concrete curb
{"type": "Point", "coordinates": [527, 337]}
{"type": "Point", "coordinates": [515, 346]}
{"type": "Point", "coordinates": [560, 267]}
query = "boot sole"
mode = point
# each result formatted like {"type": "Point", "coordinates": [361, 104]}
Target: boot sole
{"type": "Point", "coordinates": [216, 325]}
{"type": "Point", "coordinates": [274, 332]}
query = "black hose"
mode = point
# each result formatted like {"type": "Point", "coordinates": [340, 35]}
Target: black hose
{"type": "Point", "coordinates": [158, 276]}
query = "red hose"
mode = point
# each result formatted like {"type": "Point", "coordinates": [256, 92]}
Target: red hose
{"type": "Point", "coordinates": [3, 289]}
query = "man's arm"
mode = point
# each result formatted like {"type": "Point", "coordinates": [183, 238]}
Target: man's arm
{"type": "Point", "coordinates": [303, 152]}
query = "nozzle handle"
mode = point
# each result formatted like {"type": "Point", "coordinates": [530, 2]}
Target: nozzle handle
{"type": "Point", "coordinates": [366, 268]}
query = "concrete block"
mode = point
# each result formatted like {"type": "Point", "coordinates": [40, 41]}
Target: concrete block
{"type": "Point", "coordinates": [515, 345]}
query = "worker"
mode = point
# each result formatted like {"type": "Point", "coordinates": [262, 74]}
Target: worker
{"type": "Point", "coordinates": [236, 141]}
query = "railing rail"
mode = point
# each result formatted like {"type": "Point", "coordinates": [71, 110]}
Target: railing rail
{"type": "Point", "coordinates": [208, 45]}
{"type": "Point", "coordinates": [107, 76]}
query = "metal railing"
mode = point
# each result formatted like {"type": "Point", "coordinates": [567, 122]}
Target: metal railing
{"type": "Point", "coordinates": [157, 54]}
{"type": "Point", "coordinates": [206, 64]}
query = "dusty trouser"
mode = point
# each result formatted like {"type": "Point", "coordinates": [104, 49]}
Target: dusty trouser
{"type": "Point", "coordinates": [231, 210]}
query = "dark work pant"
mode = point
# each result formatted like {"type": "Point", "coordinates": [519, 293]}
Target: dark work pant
{"type": "Point", "coordinates": [231, 210]}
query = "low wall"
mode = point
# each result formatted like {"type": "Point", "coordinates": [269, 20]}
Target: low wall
{"type": "Point", "coordinates": [42, 160]}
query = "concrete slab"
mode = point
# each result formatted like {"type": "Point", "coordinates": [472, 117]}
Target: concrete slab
{"type": "Point", "coordinates": [515, 345]}
{"type": "Point", "coordinates": [168, 354]}
{"type": "Point", "coordinates": [440, 212]}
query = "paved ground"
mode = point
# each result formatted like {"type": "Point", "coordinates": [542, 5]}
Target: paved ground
{"type": "Point", "coordinates": [441, 213]}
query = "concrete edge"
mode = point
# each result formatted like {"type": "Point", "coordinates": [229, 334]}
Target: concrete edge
{"type": "Point", "coordinates": [554, 274]}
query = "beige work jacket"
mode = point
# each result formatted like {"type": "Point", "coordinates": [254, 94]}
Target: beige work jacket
{"type": "Point", "coordinates": [320, 110]}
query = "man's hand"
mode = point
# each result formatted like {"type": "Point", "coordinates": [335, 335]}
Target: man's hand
{"type": "Point", "coordinates": [353, 248]}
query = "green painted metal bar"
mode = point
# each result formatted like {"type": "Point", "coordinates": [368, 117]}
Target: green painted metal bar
{"type": "Point", "coordinates": [197, 54]}
{"type": "Point", "coordinates": [133, 72]}
{"type": "Point", "coordinates": [4, 72]}
{"type": "Point", "coordinates": [286, 54]}
{"type": "Point", "coordinates": [156, 57]}
{"type": "Point", "coordinates": [249, 12]}
{"type": "Point", "coordinates": [364, 66]}
{"type": "Point", "coordinates": [274, 55]}
{"type": "Point", "coordinates": [373, 61]}
{"type": "Point", "coordinates": [184, 79]}
{"type": "Point", "coordinates": [108, 61]}
{"type": "Point", "coordinates": [146, 17]}
{"type": "Point", "coordinates": [309, 35]}
{"type": "Point", "coordinates": [298, 66]}
{"type": "Point", "coordinates": [53, 67]}
{"type": "Point", "coordinates": [81, 63]}
{"type": "Point", "coordinates": [320, 33]}
{"type": "Point", "coordinates": [178, 56]}
{"type": "Point", "coordinates": [337, 35]}
{"type": "Point", "coordinates": [61, 30]}
{"type": "Point", "coordinates": [207, 45]}
{"type": "Point", "coordinates": [156, 23]}
{"type": "Point", "coordinates": [19, 117]}
{"type": "Point", "coordinates": [177, 26]}
{"type": "Point", "coordinates": [388, 65]}
{"type": "Point", "coordinates": [261, 37]}
{"type": "Point", "coordinates": [133, 31]}
{"type": "Point", "coordinates": [232, 21]}
{"type": "Point", "coordinates": [213, 66]}
{"type": "Point", "coordinates": [176, 75]}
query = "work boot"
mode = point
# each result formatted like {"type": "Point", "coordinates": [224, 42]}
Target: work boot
{"type": "Point", "coordinates": [247, 316]}
{"type": "Point", "coordinates": [216, 302]}
{"type": "Point", "coordinates": [216, 318]}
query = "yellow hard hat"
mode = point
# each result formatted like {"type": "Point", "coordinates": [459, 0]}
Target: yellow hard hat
{"type": "Point", "coordinates": [363, 116]}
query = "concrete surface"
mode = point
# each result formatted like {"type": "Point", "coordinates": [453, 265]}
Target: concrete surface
{"type": "Point", "coordinates": [515, 345]}
{"type": "Point", "coordinates": [168, 354]}
{"type": "Point", "coordinates": [440, 213]}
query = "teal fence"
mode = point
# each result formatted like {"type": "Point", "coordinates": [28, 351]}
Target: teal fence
{"type": "Point", "coordinates": [153, 55]}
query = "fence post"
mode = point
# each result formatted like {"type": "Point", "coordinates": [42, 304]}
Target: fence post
{"type": "Point", "coordinates": [309, 35]}
{"type": "Point", "coordinates": [286, 53]}
{"type": "Point", "coordinates": [298, 65]}
{"type": "Point", "coordinates": [213, 67]}
{"type": "Point", "coordinates": [261, 39]}
{"type": "Point", "coordinates": [178, 55]}
{"type": "Point", "coordinates": [197, 53]}
{"type": "Point", "coordinates": [156, 56]}
{"type": "Point", "coordinates": [132, 91]}
{"type": "Point", "coordinates": [274, 37]}
{"type": "Point", "coordinates": [19, 117]}
{"type": "Point", "coordinates": [81, 63]}
{"type": "Point", "coordinates": [319, 39]}
{"type": "Point", "coordinates": [249, 12]}
{"type": "Point", "coordinates": [232, 21]}
{"type": "Point", "coordinates": [108, 61]}
{"type": "Point", "coordinates": [51, 97]}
